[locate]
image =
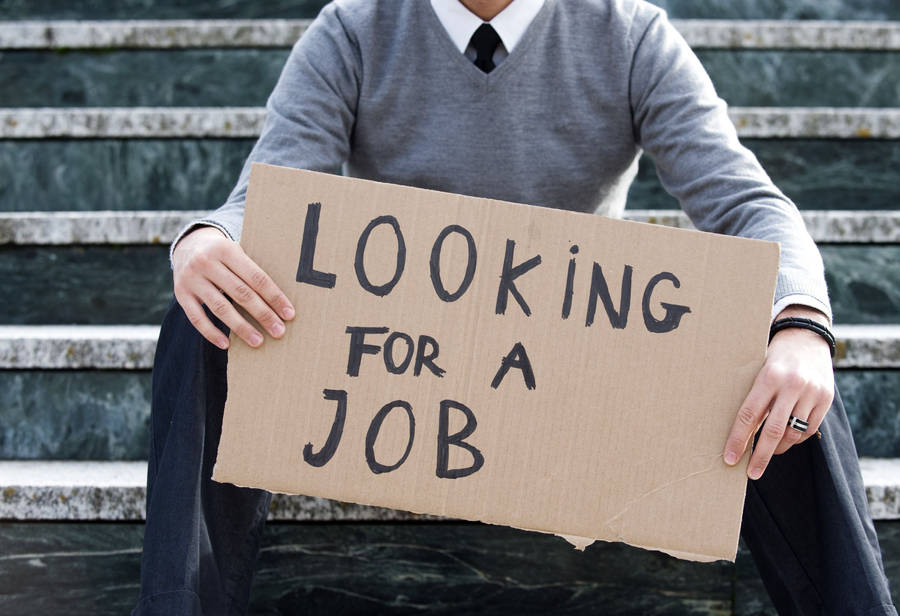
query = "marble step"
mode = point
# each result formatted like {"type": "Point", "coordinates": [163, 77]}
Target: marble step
{"type": "Point", "coordinates": [179, 34]}
{"type": "Point", "coordinates": [202, 9]}
{"type": "Point", "coordinates": [155, 227]}
{"type": "Point", "coordinates": [131, 347]}
{"type": "Point", "coordinates": [132, 284]}
{"type": "Point", "coordinates": [115, 491]}
{"type": "Point", "coordinates": [245, 77]}
{"type": "Point", "coordinates": [193, 174]}
{"type": "Point", "coordinates": [105, 414]}
{"type": "Point", "coordinates": [222, 122]}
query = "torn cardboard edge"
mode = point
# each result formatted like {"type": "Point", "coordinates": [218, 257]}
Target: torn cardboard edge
{"type": "Point", "coordinates": [529, 396]}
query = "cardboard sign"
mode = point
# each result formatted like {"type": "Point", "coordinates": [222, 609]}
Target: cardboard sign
{"type": "Point", "coordinates": [548, 370]}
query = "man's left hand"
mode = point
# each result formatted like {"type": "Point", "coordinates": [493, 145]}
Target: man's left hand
{"type": "Point", "coordinates": [796, 379]}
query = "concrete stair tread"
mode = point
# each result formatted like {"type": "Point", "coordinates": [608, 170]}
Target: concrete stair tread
{"type": "Point", "coordinates": [247, 122]}
{"type": "Point", "coordinates": [115, 490]}
{"type": "Point", "coordinates": [282, 33]}
{"type": "Point", "coordinates": [161, 227]}
{"type": "Point", "coordinates": [131, 347]}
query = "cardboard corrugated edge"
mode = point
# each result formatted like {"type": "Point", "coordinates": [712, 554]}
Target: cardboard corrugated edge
{"type": "Point", "coordinates": [582, 542]}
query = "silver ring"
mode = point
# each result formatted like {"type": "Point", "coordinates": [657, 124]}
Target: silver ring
{"type": "Point", "coordinates": [797, 424]}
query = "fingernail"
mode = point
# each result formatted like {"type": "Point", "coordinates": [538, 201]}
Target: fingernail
{"type": "Point", "coordinates": [288, 312]}
{"type": "Point", "coordinates": [277, 329]}
{"type": "Point", "coordinates": [755, 473]}
{"type": "Point", "coordinates": [730, 457]}
{"type": "Point", "coordinates": [256, 340]}
{"type": "Point", "coordinates": [222, 344]}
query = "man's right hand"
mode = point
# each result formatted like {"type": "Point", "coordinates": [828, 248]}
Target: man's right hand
{"type": "Point", "coordinates": [207, 265]}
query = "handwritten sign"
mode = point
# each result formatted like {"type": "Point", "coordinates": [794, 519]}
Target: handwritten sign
{"type": "Point", "coordinates": [548, 370]}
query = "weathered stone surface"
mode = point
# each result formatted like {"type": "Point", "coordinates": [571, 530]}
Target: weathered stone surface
{"type": "Point", "coordinates": [180, 174]}
{"type": "Point", "coordinates": [178, 34]}
{"type": "Point", "coordinates": [93, 569]}
{"type": "Point", "coordinates": [815, 174]}
{"type": "Point", "coordinates": [69, 490]}
{"type": "Point", "coordinates": [149, 227]}
{"type": "Point", "coordinates": [231, 122]}
{"type": "Point", "coordinates": [94, 285]}
{"type": "Point", "coordinates": [804, 78]}
{"type": "Point", "coordinates": [110, 174]}
{"type": "Point", "coordinates": [133, 285]}
{"type": "Point", "coordinates": [864, 283]}
{"type": "Point", "coordinates": [245, 77]}
{"type": "Point", "coordinates": [702, 33]}
{"type": "Point", "coordinates": [142, 227]}
{"type": "Point", "coordinates": [209, 77]}
{"type": "Point", "coordinates": [294, 9]}
{"type": "Point", "coordinates": [872, 401]}
{"type": "Point", "coordinates": [74, 414]}
{"type": "Point", "coordinates": [71, 347]}
{"type": "Point", "coordinates": [104, 414]}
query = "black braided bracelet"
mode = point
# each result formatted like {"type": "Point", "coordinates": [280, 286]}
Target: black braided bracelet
{"type": "Point", "coordinates": [813, 326]}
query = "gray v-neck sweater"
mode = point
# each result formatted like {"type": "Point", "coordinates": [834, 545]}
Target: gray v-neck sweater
{"type": "Point", "coordinates": [378, 87]}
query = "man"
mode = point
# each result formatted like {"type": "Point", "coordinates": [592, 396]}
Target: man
{"type": "Point", "coordinates": [550, 104]}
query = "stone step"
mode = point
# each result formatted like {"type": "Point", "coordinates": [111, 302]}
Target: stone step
{"type": "Point", "coordinates": [214, 77]}
{"type": "Point", "coordinates": [293, 9]}
{"type": "Point", "coordinates": [116, 491]}
{"type": "Point", "coordinates": [131, 347]}
{"type": "Point", "coordinates": [155, 227]}
{"type": "Point", "coordinates": [193, 174]}
{"type": "Point", "coordinates": [244, 33]}
{"type": "Point", "coordinates": [221, 122]}
{"type": "Point", "coordinates": [117, 284]}
{"type": "Point", "coordinates": [105, 414]}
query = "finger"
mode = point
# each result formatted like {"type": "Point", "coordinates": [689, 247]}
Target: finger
{"type": "Point", "coordinates": [748, 418]}
{"type": "Point", "coordinates": [241, 293]}
{"type": "Point", "coordinates": [222, 308]}
{"type": "Point", "coordinates": [245, 269]}
{"type": "Point", "coordinates": [816, 417]}
{"type": "Point", "coordinates": [802, 410]}
{"type": "Point", "coordinates": [197, 316]}
{"type": "Point", "coordinates": [772, 432]}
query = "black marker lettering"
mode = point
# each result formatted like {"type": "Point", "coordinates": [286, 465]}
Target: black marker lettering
{"type": "Point", "coordinates": [570, 283]}
{"type": "Point", "coordinates": [358, 346]}
{"type": "Point", "coordinates": [599, 287]}
{"type": "Point", "coordinates": [508, 279]}
{"type": "Point", "coordinates": [435, 264]}
{"type": "Point", "coordinates": [674, 312]}
{"type": "Point", "coordinates": [444, 440]}
{"type": "Point", "coordinates": [389, 353]}
{"type": "Point", "coordinates": [427, 350]}
{"type": "Point", "coordinates": [372, 435]}
{"type": "Point", "coordinates": [334, 435]}
{"type": "Point", "coordinates": [359, 266]}
{"type": "Point", "coordinates": [306, 272]}
{"type": "Point", "coordinates": [516, 358]}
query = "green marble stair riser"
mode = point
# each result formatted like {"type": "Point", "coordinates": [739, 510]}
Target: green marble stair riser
{"type": "Point", "coordinates": [446, 568]}
{"type": "Point", "coordinates": [177, 9]}
{"type": "Point", "coordinates": [115, 285]}
{"type": "Point", "coordinates": [194, 174]}
{"type": "Point", "coordinates": [244, 77]}
{"type": "Point", "coordinates": [104, 415]}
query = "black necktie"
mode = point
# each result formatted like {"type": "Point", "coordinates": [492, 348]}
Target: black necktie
{"type": "Point", "coordinates": [485, 41]}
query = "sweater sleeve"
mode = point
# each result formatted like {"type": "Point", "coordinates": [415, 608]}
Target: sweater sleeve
{"type": "Point", "coordinates": [681, 122]}
{"type": "Point", "coordinates": [309, 115]}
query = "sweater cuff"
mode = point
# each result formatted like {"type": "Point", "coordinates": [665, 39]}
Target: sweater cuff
{"type": "Point", "coordinates": [203, 222]}
{"type": "Point", "coordinates": [799, 299]}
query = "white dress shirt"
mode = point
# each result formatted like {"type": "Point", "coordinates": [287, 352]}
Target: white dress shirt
{"type": "Point", "coordinates": [510, 24]}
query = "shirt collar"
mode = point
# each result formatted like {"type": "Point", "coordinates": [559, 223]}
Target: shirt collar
{"type": "Point", "coordinates": [510, 23]}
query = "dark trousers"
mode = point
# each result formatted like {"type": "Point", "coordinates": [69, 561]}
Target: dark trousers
{"type": "Point", "coordinates": [806, 521]}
